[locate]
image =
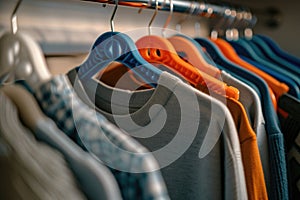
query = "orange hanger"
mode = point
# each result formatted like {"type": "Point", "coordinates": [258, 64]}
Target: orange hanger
{"type": "Point", "coordinates": [182, 44]}
{"type": "Point", "coordinates": [277, 87]}
{"type": "Point", "coordinates": [159, 50]}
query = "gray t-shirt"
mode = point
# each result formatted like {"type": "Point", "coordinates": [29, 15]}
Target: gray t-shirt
{"type": "Point", "coordinates": [192, 136]}
{"type": "Point", "coordinates": [252, 105]}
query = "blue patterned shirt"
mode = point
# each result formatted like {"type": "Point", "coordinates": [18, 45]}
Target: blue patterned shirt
{"type": "Point", "coordinates": [135, 169]}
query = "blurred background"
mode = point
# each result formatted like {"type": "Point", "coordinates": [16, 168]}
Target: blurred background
{"type": "Point", "coordinates": [71, 26]}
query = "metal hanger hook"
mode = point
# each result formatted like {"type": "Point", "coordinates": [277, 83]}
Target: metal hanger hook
{"type": "Point", "coordinates": [168, 19]}
{"type": "Point", "coordinates": [153, 17]}
{"type": "Point", "coordinates": [14, 23]}
{"type": "Point", "coordinates": [112, 25]}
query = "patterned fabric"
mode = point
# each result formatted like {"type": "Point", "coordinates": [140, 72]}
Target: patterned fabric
{"type": "Point", "coordinates": [135, 169]}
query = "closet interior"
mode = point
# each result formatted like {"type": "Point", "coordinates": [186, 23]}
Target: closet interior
{"type": "Point", "coordinates": [149, 99]}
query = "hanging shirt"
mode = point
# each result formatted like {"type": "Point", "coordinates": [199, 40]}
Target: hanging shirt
{"type": "Point", "coordinates": [276, 86]}
{"type": "Point", "coordinates": [281, 53]}
{"type": "Point", "coordinates": [255, 180]}
{"type": "Point", "coordinates": [294, 89]}
{"type": "Point", "coordinates": [252, 105]}
{"type": "Point", "coordinates": [278, 173]}
{"type": "Point", "coordinates": [95, 179]}
{"type": "Point", "coordinates": [268, 54]}
{"type": "Point", "coordinates": [192, 136]}
{"type": "Point", "coordinates": [135, 169]}
{"type": "Point", "coordinates": [29, 169]}
{"type": "Point", "coordinates": [242, 48]}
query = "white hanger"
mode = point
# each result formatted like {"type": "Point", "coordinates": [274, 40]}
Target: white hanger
{"type": "Point", "coordinates": [28, 109]}
{"type": "Point", "coordinates": [21, 58]}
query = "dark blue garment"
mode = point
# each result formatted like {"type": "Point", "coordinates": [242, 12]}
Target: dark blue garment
{"type": "Point", "coordinates": [278, 184]}
{"type": "Point", "coordinates": [244, 49]}
{"type": "Point", "coordinates": [279, 52]}
{"type": "Point", "coordinates": [268, 54]}
{"type": "Point", "coordinates": [294, 89]}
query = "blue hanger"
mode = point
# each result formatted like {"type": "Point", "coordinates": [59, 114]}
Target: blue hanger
{"type": "Point", "coordinates": [243, 48]}
{"type": "Point", "coordinates": [267, 53]}
{"type": "Point", "coordinates": [214, 52]}
{"type": "Point", "coordinates": [294, 89]}
{"type": "Point", "coordinates": [280, 52]}
{"type": "Point", "coordinates": [234, 69]}
{"type": "Point", "coordinates": [206, 57]}
{"type": "Point", "coordinates": [224, 64]}
{"type": "Point", "coordinates": [115, 46]}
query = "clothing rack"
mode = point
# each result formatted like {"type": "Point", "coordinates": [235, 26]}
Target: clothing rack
{"type": "Point", "coordinates": [92, 18]}
{"type": "Point", "coordinates": [192, 8]}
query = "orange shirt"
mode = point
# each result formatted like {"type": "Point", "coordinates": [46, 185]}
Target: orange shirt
{"type": "Point", "coordinates": [277, 87]}
{"type": "Point", "coordinates": [254, 175]}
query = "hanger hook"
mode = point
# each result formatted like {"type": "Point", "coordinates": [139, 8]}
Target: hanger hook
{"type": "Point", "coordinates": [197, 25]}
{"type": "Point", "coordinates": [112, 25]}
{"type": "Point", "coordinates": [168, 19]}
{"type": "Point", "coordinates": [153, 17]}
{"type": "Point", "coordinates": [251, 21]}
{"type": "Point", "coordinates": [219, 26]}
{"type": "Point", "coordinates": [14, 23]}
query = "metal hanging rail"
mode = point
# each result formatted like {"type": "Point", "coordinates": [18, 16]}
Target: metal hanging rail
{"type": "Point", "coordinates": [195, 8]}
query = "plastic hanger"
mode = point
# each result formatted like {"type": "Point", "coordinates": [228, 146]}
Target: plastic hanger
{"type": "Point", "coordinates": [156, 49]}
{"type": "Point", "coordinates": [90, 173]}
{"type": "Point", "coordinates": [21, 58]}
{"type": "Point", "coordinates": [192, 55]}
{"type": "Point", "coordinates": [243, 48]}
{"type": "Point", "coordinates": [220, 59]}
{"type": "Point", "coordinates": [28, 109]}
{"type": "Point", "coordinates": [221, 56]}
{"type": "Point", "coordinates": [280, 52]}
{"type": "Point", "coordinates": [248, 35]}
{"type": "Point", "coordinates": [115, 46]}
{"type": "Point", "coordinates": [293, 87]}
{"type": "Point", "coordinates": [191, 50]}
{"type": "Point", "coordinates": [268, 54]}
{"type": "Point", "coordinates": [197, 30]}
{"type": "Point", "coordinates": [278, 87]}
